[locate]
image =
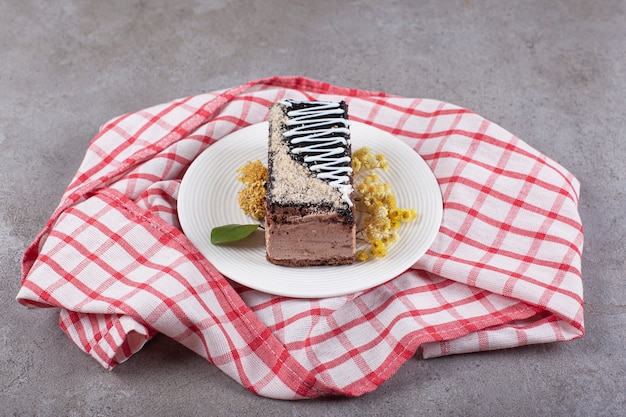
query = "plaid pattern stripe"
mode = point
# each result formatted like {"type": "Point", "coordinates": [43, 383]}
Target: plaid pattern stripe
{"type": "Point", "coordinates": [504, 270]}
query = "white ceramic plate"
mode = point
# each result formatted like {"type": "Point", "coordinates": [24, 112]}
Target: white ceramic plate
{"type": "Point", "coordinates": [208, 198]}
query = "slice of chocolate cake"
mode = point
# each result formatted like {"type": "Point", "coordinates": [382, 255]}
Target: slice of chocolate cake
{"type": "Point", "coordinates": [310, 214]}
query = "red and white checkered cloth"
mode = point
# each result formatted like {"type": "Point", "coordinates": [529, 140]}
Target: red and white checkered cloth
{"type": "Point", "coordinates": [504, 270]}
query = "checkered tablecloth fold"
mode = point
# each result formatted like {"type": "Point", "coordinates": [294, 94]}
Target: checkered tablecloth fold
{"type": "Point", "coordinates": [504, 270]}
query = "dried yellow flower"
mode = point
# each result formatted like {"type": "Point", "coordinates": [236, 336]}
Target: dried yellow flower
{"type": "Point", "coordinates": [251, 199]}
{"type": "Point", "coordinates": [374, 198]}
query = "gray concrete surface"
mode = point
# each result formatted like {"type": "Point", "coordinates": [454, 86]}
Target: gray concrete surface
{"type": "Point", "coordinates": [552, 72]}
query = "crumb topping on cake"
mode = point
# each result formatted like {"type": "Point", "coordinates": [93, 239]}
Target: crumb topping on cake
{"type": "Point", "coordinates": [310, 150]}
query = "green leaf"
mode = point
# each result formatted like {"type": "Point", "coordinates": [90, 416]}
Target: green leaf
{"type": "Point", "coordinates": [232, 232]}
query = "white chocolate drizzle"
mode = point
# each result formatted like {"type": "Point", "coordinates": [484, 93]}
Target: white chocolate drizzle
{"type": "Point", "coordinates": [322, 139]}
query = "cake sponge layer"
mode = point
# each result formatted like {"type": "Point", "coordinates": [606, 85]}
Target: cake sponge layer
{"type": "Point", "coordinates": [295, 237]}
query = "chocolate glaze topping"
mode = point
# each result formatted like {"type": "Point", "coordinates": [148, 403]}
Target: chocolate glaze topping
{"type": "Point", "coordinates": [318, 136]}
